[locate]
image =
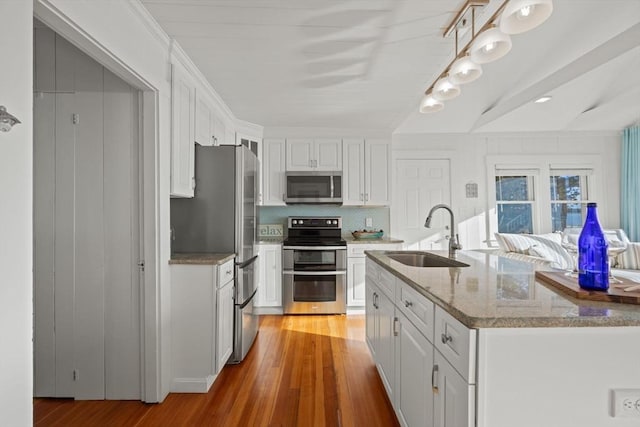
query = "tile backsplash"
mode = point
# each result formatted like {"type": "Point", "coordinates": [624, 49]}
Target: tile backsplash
{"type": "Point", "coordinates": [353, 218]}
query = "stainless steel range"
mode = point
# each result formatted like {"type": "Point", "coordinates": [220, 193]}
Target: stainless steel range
{"type": "Point", "coordinates": [314, 266]}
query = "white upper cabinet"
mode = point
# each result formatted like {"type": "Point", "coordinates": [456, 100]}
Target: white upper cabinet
{"type": "Point", "coordinates": [182, 132]}
{"type": "Point", "coordinates": [366, 173]}
{"type": "Point", "coordinates": [205, 120]}
{"type": "Point", "coordinates": [273, 172]}
{"type": "Point", "coordinates": [319, 154]}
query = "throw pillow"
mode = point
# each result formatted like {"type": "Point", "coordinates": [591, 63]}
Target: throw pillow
{"type": "Point", "coordinates": [630, 259]}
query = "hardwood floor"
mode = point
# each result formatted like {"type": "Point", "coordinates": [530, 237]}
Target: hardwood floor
{"type": "Point", "coordinates": [301, 371]}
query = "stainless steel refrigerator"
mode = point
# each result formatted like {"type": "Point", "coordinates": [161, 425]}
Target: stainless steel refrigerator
{"type": "Point", "coordinates": [221, 218]}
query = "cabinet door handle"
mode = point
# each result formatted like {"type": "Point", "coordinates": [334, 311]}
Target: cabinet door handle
{"type": "Point", "coordinates": [366, 197]}
{"type": "Point", "coordinates": [375, 300]}
{"type": "Point", "coordinates": [362, 197]}
{"type": "Point", "coordinates": [434, 379]}
{"type": "Point", "coordinates": [446, 338]}
{"type": "Point", "coordinates": [408, 303]}
{"type": "Point", "coordinates": [395, 326]}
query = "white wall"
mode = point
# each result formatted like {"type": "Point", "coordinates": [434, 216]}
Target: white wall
{"type": "Point", "coordinates": [469, 152]}
{"type": "Point", "coordinates": [16, 243]}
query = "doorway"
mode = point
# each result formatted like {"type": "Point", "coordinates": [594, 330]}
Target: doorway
{"type": "Point", "coordinates": [87, 227]}
{"type": "Point", "coordinates": [420, 182]}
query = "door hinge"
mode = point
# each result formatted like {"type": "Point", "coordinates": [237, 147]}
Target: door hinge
{"type": "Point", "coordinates": [75, 118]}
{"type": "Point", "coordinates": [76, 375]}
{"type": "Point", "coordinates": [141, 265]}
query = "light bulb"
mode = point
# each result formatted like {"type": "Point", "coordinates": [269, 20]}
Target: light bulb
{"type": "Point", "coordinates": [489, 47]}
{"type": "Point", "coordinates": [525, 12]}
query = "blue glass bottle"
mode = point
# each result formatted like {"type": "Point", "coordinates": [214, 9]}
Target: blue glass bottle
{"type": "Point", "coordinates": [593, 262]}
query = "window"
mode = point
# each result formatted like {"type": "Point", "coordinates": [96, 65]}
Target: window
{"type": "Point", "coordinates": [569, 196]}
{"type": "Point", "coordinates": [515, 200]}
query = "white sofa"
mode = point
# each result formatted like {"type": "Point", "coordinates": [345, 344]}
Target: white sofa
{"type": "Point", "coordinates": [547, 252]}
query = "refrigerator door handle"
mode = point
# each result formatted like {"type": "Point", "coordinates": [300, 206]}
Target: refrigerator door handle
{"type": "Point", "coordinates": [247, 262]}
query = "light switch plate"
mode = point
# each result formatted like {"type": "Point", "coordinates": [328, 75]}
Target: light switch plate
{"type": "Point", "coordinates": [368, 222]}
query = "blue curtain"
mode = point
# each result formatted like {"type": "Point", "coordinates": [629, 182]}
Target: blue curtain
{"type": "Point", "coordinates": [630, 183]}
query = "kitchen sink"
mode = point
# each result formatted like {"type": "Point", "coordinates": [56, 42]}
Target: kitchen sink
{"type": "Point", "coordinates": [423, 259]}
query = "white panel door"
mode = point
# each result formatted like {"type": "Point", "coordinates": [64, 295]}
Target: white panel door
{"type": "Point", "coordinates": [300, 154]}
{"type": "Point", "coordinates": [328, 154]}
{"type": "Point", "coordinates": [225, 311]}
{"type": "Point", "coordinates": [454, 401]}
{"type": "Point", "coordinates": [273, 172]}
{"type": "Point", "coordinates": [353, 172]}
{"type": "Point", "coordinates": [182, 134]}
{"type": "Point", "coordinates": [87, 307]}
{"type": "Point", "coordinates": [377, 177]}
{"type": "Point", "coordinates": [269, 293]}
{"type": "Point", "coordinates": [355, 282]}
{"type": "Point", "coordinates": [419, 185]}
{"type": "Point", "coordinates": [414, 361]}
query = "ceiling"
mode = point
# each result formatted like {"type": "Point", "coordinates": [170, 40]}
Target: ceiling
{"type": "Point", "coordinates": [364, 64]}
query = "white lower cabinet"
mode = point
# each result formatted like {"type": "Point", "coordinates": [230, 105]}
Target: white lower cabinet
{"type": "Point", "coordinates": [356, 269]}
{"type": "Point", "coordinates": [414, 396]}
{"type": "Point", "coordinates": [453, 398]}
{"type": "Point", "coordinates": [422, 384]}
{"type": "Point", "coordinates": [269, 293]}
{"type": "Point", "coordinates": [225, 308]}
{"type": "Point", "coordinates": [201, 324]}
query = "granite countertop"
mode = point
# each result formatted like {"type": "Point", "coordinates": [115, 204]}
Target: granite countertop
{"type": "Point", "coordinates": [384, 239]}
{"type": "Point", "coordinates": [497, 292]}
{"type": "Point", "coordinates": [201, 258]}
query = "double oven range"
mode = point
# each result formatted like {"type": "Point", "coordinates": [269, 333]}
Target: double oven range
{"type": "Point", "coordinates": [314, 262]}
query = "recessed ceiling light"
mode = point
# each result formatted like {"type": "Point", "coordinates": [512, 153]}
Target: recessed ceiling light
{"type": "Point", "coordinates": [542, 99]}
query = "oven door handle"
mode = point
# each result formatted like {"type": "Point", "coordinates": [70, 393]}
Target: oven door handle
{"type": "Point", "coordinates": [316, 248]}
{"type": "Point", "coordinates": [316, 273]}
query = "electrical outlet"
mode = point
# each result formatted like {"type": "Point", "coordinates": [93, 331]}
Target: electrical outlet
{"type": "Point", "coordinates": [625, 403]}
{"type": "Point", "coordinates": [368, 222]}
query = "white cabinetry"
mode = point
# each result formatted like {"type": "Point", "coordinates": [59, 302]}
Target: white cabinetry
{"type": "Point", "coordinates": [273, 172]}
{"type": "Point", "coordinates": [201, 324]}
{"type": "Point", "coordinates": [182, 132]}
{"type": "Point", "coordinates": [269, 292]}
{"type": "Point", "coordinates": [225, 291]}
{"type": "Point", "coordinates": [431, 388]}
{"type": "Point", "coordinates": [205, 120]}
{"type": "Point", "coordinates": [356, 269]}
{"type": "Point", "coordinates": [414, 353]}
{"type": "Point", "coordinates": [317, 154]}
{"type": "Point", "coordinates": [366, 172]}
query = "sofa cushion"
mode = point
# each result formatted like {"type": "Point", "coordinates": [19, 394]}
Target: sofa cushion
{"type": "Point", "coordinates": [630, 259]}
{"type": "Point", "coordinates": [546, 246]}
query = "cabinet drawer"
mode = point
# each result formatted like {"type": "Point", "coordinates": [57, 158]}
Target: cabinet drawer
{"type": "Point", "coordinates": [387, 283]}
{"type": "Point", "coordinates": [381, 278]}
{"type": "Point", "coordinates": [457, 343]}
{"type": "Point", "coordinates": [417, 308]}
{"type": "Point", "coordinates": [226, 272]}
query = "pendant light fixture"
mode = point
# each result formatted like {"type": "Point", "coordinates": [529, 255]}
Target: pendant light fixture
{"type": "Point", "coordinates": [7, 120]}
{"type": "Point", "coordinates": [524, 15]}
{"type": "Point", "coordinates": [429, 104]}
{"type": "Point", "coordinates": [489, 44]}
{"type": "Point", "coordinates": [464, 70]}
{"type": "Point", "coordinates": [444, 90]}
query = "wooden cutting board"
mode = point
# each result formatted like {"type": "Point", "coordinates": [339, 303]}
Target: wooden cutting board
{"type": "Point", "coordinates": [569, 285]}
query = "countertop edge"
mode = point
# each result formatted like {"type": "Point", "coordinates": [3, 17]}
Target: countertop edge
{"type": "Point", "coordinates": [510, 322]}
{"type": "Point", "coordinates": [200, 258]}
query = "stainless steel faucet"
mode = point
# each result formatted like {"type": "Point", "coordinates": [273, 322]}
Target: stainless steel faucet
{"type": "Point", "coordinates": [454, 243]}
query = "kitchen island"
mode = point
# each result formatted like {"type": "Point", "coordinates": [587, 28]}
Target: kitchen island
{"type": "Point", "coordinates": [488, 345]}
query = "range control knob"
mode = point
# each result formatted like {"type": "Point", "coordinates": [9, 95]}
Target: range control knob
{"type": "Point", "coordinates": [328, 222]}
{"type": "Point", "coordinates": [300, 222]}
{"type": "Point", "coordinates": [335, 222]}
{"type": "Point", "coordinates": [294, 222]}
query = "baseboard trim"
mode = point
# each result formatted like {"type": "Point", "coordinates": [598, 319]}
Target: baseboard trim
{"type": "Point", "coordinates": [192, 385]}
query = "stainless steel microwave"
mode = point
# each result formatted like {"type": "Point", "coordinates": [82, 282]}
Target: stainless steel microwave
{"type": "Point", "coordinates": [314, 188]}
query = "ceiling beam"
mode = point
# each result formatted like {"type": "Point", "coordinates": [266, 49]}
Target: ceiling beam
{"type": "Point", "coordinates": [607, 51]}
